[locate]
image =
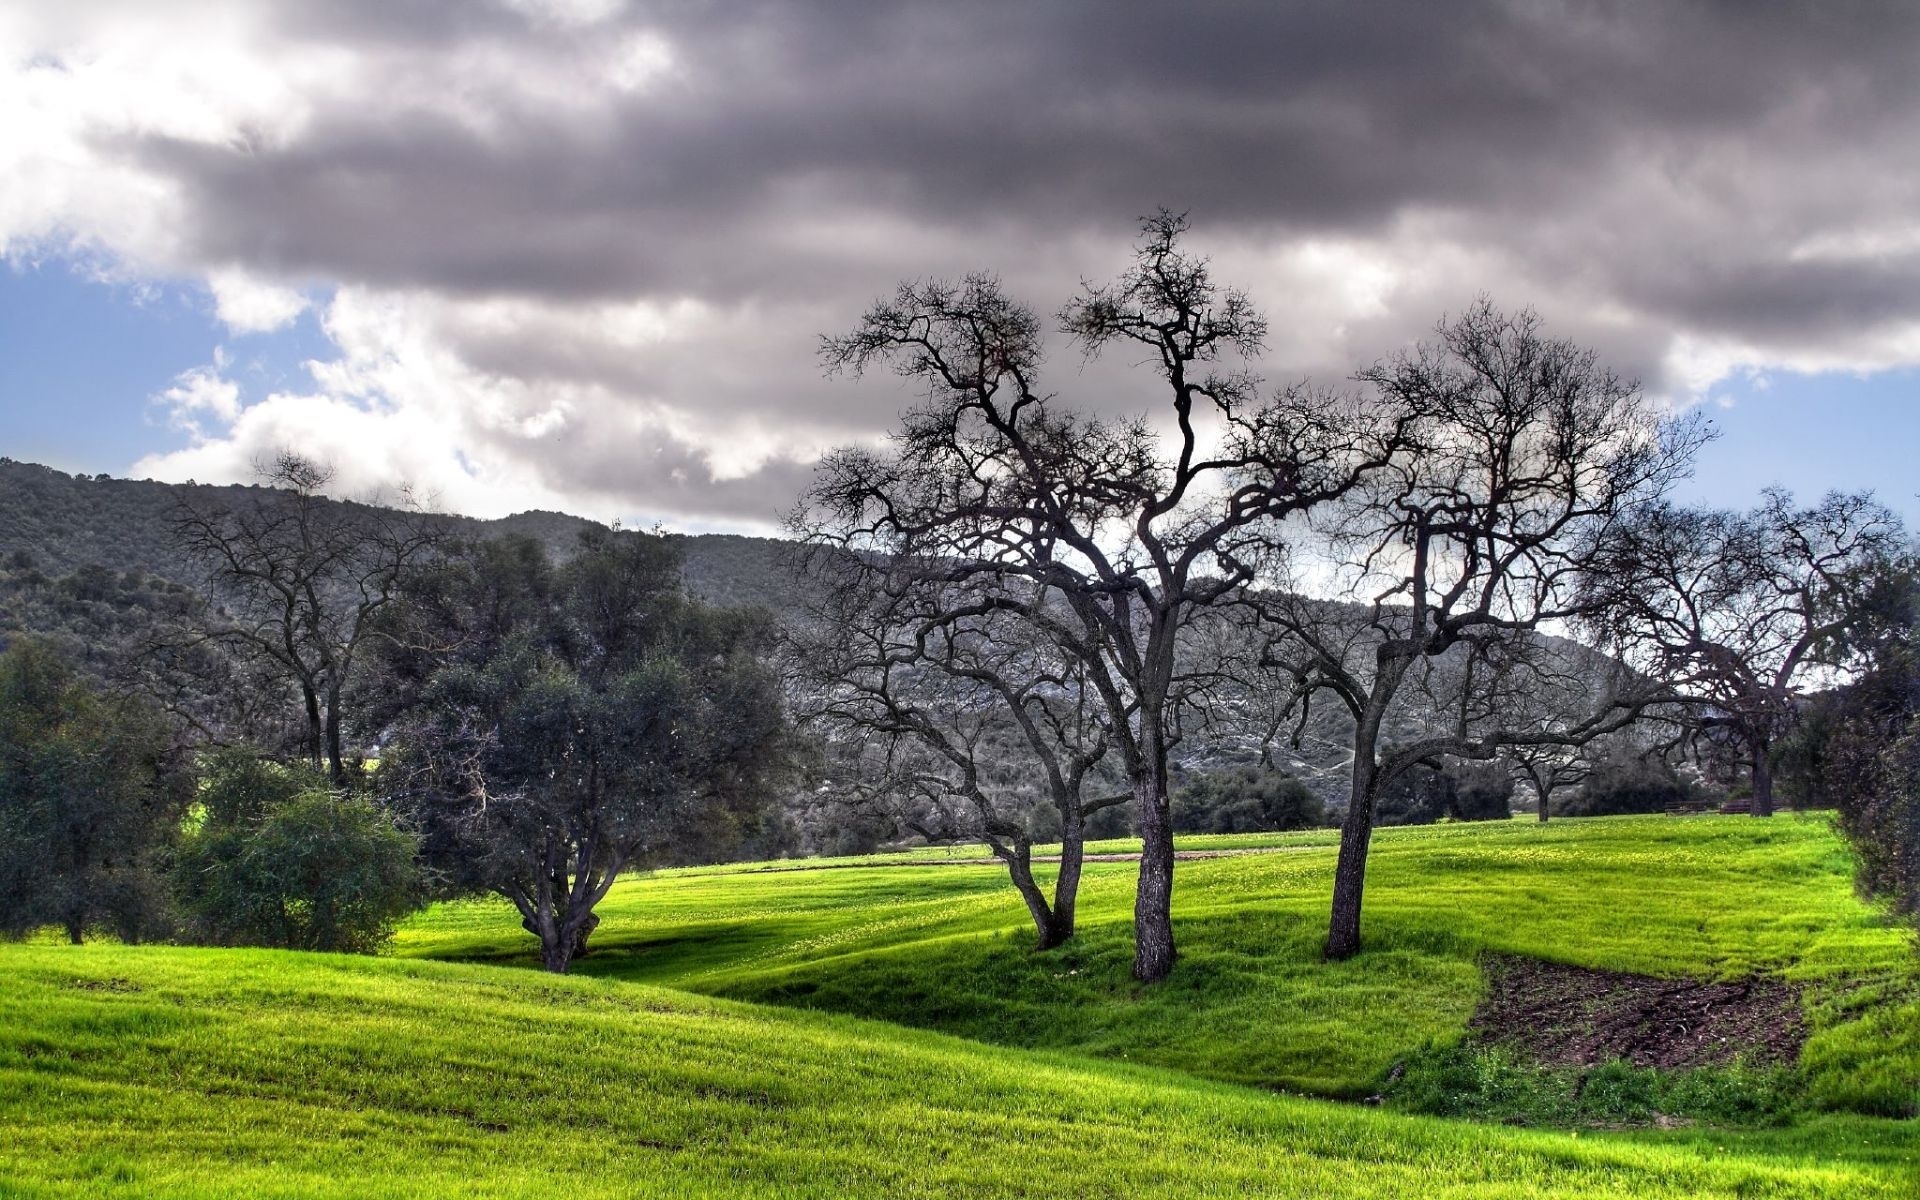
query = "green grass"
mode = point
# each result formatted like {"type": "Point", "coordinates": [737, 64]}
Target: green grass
{"type": "Point", "coordinates": [189, 1073]}
{"type": "Point", "coordinates": [160, 1072]}
{"type": "Point", "coordinates": [1251, 1001]}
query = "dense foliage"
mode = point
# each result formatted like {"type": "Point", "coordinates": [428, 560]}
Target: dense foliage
{"type": "Point", "coordinates": [1865, 753]}
{"type": "Point", "coordinates": [1627, 783]}
{"type": "Point", "coordinates": [280, 858]}
{"type": "Point", "coordinates": [554, 726]}
{"type": "Point", "coordinates": [91, 792]}
{"type": "Point", "coordinates": [1245, 800]}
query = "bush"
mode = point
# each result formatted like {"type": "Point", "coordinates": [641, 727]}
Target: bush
{"type": "Point", "coordinates": [1482, 792]}
{"type": "Point", "coordinates": [1417, 796]}
{"type": "Point", "coordinates": [1245, 800]}
{"type": "Point", "coordinates": [1623, 785]}
{"type": "Point", "coordinates": [279, 861]}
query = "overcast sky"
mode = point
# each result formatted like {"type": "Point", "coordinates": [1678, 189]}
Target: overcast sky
{"type": "Point", "coordinates": [576, 254]}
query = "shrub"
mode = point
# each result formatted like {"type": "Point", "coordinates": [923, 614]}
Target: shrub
{"type": "Point", "coordinates": [1482, 792]}
{"type": "Point", "coordinates": [1245, 800]}
{"type": "Point", "coordinates": [1418, 796]}
{"type": "Point", "coordinates": [1624, 784]}
{"type": "Point", "coordinates": [278, 861]}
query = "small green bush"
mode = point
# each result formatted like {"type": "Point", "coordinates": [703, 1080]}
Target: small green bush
{"type": "Point", "coordinates": [278, 861]}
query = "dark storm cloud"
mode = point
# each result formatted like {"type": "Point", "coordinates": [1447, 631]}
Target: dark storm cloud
{"type": "Point", "coordinates": [1309, 118]}
{"type": "Point", "coordinates": [1641, 171]}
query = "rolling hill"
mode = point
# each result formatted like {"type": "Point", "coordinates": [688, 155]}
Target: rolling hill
{"type": "Point", "coordinates": [170, 1072]}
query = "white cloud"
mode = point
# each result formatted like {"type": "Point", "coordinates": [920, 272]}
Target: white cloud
{"type": "Point", "coordinates": [250, 305]}
{"type": "Point", "coordinates": [575, 253]}
{"type": "Point", "coordinates": [200, 394]}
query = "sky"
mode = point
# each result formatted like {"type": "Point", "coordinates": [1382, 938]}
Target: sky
{"type": "Point", "coordinates": [577, 254]}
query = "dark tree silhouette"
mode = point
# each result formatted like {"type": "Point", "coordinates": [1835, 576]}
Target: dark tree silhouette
{"type": "Point", "coordinates": [1525, 456]}
{"type": "Point", "coordinates": [297, 582]}
{"type": "Point", "coordinates": [1107, 537]}
{"type": "Point", "coordinates": [1739, 611]}
{"type": "Point", "coordinates": [92, 788]}
{"type": "Point", "coordinates": [553, 727]}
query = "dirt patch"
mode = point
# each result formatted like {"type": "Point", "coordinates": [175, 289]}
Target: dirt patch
{"type": "Point", "coordinates": [1576, 1017]}
{"type": "Point", "coordinates": [105, 985]}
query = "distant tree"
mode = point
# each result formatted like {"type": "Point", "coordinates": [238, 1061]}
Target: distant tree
{"type": "Point", "coordinates": [551, 728]}
{"type": "Point", "coordinates": [91, 792]}
{"type": "Point", "coordinates": [1482, 792]}
{"type": "Point", "coordinates": [1623, 782]}
{"type": "Point", "coordinates": [298, 582]}
{"type": "Point", "coordinates": [961, 721]}
{"type": "Point", "coordinates": [1742, 611]}
{"type": "Point", "coordinates": [1524, 455]}
{"type": "Point", "coordinates": [282, 859]}
{"type": "Point", "coordinates": [1108, 537]}
{"type": "Point", "coordinates": [1419, 795]}
{"type": "Point", "coordinates": [1245, 800]}
{"type": "Point", "coordinates": [1547, 769]}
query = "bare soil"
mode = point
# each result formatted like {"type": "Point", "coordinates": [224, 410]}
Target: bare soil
{"type": "Point", "coordinates": [1578, 1017]}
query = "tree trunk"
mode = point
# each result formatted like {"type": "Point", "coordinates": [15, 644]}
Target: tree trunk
{"type": "Point", "coordinates": [1762, 780]}
{"type": "Point", "coordinates": [316, 752]}
{"type": "Point", "coordinates": [588, 924]}
{"type": "Point", "coordinates": [1153, 951]}
{"type": "Point", "coordinates": [1350, 877]}
{"type": "Point", "coordinates": [76, 932]}
{"type": "Point", "coordinates": [335, 764]}
{"type": "Point", "coordinates": [1356, 834]}
{"type": "Point", "coordinates": [557, 941]}
{"type": "Point", "coordinates": [1066, 887]}
{"type": "Point", "coordinates": [556, 955]}
{"type": "Point", "coordinates": [1020, 867]}
{"type": "Point", "coordinates": [1545, 793]}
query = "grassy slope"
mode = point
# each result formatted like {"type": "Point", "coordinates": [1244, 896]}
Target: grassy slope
{"type": "Point", "coordinates": [182, 1073]}
{"type": "Point", "coordinates": [1251, 1001]}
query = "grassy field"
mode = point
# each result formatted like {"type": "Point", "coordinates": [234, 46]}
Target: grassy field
{"type": "Point", "coordinates": [1251, 1000]}
{"type": "Point", "coordinates": [192, 1073]}
{"type": "Point", "coordinates": [187, 1073]}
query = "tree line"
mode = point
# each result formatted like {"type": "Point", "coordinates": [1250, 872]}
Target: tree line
{"type": "Point", "coordinates": [360, 713]}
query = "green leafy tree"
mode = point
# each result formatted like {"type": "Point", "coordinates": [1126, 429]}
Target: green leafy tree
{"type": "Point", "coordinates": [555, 727]}
{"type": "Point", "coordinates": [280, 859]}
{"type": "Point", "coordinates": [91, 792]}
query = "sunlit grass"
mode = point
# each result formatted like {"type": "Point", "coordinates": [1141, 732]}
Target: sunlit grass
{"type": "Point", "coordinates": [1251, 1000]}
{"type": "Point", "coordinates": [159, 1072]}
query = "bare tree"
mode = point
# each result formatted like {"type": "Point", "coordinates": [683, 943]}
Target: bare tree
{"type": "Point", "coordinates": [1526, 456]}
{"type": "Point", "coordinates": [297, 581]}
{"type": "Point", "coordinates": [1741, 611]}
{"type": "Point", "coordinates": [959, 719]}
{"type": "Point", "coordinates": [1107, 537]}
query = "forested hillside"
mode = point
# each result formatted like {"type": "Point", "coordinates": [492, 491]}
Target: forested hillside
{"type": "Point", "coordinates": [89, 560]}
{"type": "Point", "coordinates": [57, 523]}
